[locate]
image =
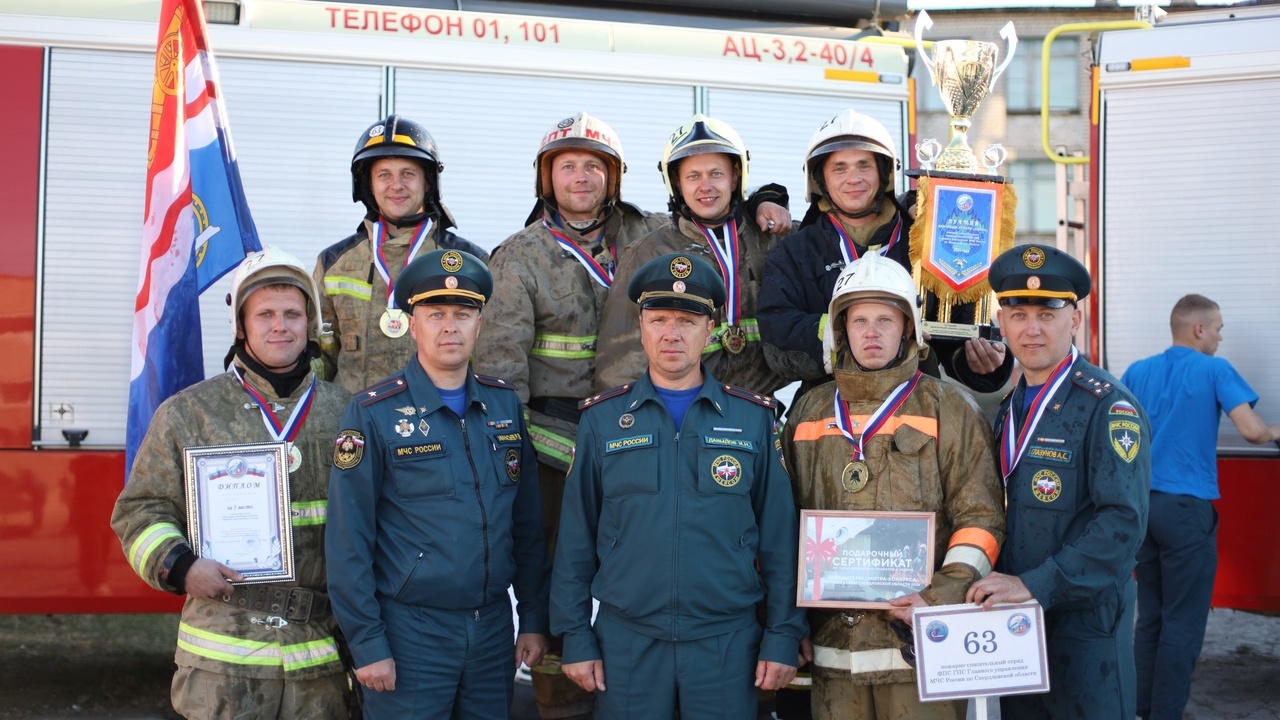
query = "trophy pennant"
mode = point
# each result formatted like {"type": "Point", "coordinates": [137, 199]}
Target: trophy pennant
{"type": "Point", "coordinates": [952, 246]}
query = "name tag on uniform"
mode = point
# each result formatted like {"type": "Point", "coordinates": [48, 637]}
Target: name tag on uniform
{"type": "Point", "coordinates": [510, 437]}
{"type": "Point", "coordinates": [628, 443]}
{"type": "Point", "coordinates": [426, 449]}
{"type": "Point", "coordinates": [1061, 455]}
{"type": "Point", "coordinates": [711, 441]}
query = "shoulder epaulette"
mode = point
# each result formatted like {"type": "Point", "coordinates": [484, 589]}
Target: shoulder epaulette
{"type": "Point", "coordinates": [493, 381]}
{"type": "Point", "coordinates": [393, 385]}
{"type": "Point", "coordinates": [1094, 386]}
{"type": "Point", "coordinates": [596, 399]}
{"type": "Point", "coordinates": [755, 397]}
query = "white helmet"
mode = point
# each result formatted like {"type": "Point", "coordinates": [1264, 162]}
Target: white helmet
{"type": "Point", "coordinates": [702, 134]}
{"type": "Point", "coordinates": [850, 130]}
{"type": "Point", "coordinates": [870, 276]}
{"type": "Point", "coordinates": [272, 266]}
{"type": "Point", "coordinates": [580, 132]}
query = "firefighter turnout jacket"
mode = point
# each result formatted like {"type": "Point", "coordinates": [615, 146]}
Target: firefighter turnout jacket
{"type": "Point", "coordinates": [150, 518]}
{"type": "Point", "coordinates": [353, 297]}
{"type": "Point", "coordinates": [541, 326]}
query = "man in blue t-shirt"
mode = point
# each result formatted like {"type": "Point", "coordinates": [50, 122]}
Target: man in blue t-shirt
{"type": "Point", "coordinates": [1183, 389]}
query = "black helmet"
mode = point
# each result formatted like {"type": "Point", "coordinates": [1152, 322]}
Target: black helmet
{"type": "Point", "coordinates": [397, 137]}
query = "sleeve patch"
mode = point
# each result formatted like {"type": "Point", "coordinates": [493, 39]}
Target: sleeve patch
{"type": "Point", "coordinates": [348, 449]}
{"type": "Point", "coordinates": [1126, 435]}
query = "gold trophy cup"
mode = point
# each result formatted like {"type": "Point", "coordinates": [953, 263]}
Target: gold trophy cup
{"type": "Point", "coordinates": [964, 72]}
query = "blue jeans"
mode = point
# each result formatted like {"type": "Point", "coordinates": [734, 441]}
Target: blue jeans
{"type": "Point", "coordinates": [1176, 566]}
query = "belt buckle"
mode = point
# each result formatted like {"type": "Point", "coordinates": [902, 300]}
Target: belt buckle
{"type": "Point", "coordinates": [298, 607]}
{"type": "Point", "coordinates": [852, 619]}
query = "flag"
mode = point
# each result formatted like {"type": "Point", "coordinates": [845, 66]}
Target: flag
{"type": "Point", "coordinates": [196, 223]}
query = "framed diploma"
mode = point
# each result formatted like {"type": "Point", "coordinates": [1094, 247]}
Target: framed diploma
{"type": "Point", "coordinates": [238, 508]}
{"type": "Point", "coordinates": [863, 559]}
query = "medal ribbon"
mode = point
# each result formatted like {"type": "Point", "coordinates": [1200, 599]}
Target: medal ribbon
{"type": "Point", "coordinates": [1014, 446]}
{"type": "Point", "coordinates": [849, 249]}
{"type": "Point", "coordinates": [380, 261]}
{"type": "Point", "coordinates": [602, 275]}
{"type": "Point", "coordinates": [727, 256]}
{"type": "Point", "coordinates": [290, 428]}
{"type": "Point", "coordinates": [877, 419]}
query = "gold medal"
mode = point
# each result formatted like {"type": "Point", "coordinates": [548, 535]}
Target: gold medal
{"type": "Point", "coordinates": [394, 323]}
{"type": "Point", "coordinates": [855, 476]}
{"type": "Point", "coordinates": [295, 458]}
{"type": "Point", "coordinates": [734, 339]}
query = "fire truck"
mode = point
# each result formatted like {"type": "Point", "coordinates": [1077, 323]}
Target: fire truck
{"type": "Point", "coordinates": [1174, 197]}
{"type": "Point", "coordinates": [301, 81]}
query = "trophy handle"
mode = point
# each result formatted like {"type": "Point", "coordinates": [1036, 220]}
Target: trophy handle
{"type": "Point", "coordinates": [1011, 39]}
{"type": "Point", "coordinates": [924, 22]}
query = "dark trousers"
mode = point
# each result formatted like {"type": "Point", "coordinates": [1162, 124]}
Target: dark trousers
{"type": "Point", "coordinates": [1091, 674]}
{"type": "Point", "coordinates": [449, 663]}
{"type": "Point", "coordinates": [711, 678]}
{"type": "Point", "coordinates": [1176, 567]}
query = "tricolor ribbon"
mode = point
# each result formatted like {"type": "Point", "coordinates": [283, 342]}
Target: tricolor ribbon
{"type": "Point", "coordinates": [600, 274]}
{"type": "Point", "coordinates": [877, 420]}
{"type": "Point", "coordinates": [1014, 445]}
{"type": "Point", "coordinates": [849, 249]}
{"type": "Point", "coordinates": [289, 429]}
{"type": "Point", "coordinates": [380, 261]}
{"type": "Point", "coordinates": [727, 256]}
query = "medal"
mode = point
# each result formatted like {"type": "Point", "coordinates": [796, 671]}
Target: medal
{"type": "Point", "coordinates": [295, 458]}
{"type": "Point", "coordinates": [727, 257]}
{"type": "Point", "coordinates": [734, 339]}
{"type": "Point", "coordinates": [285, 431]}
{"type": "Point", "coordinates": [855, 476]}
{"type": "Point", "coordinates": [394, 323]}
{"type": "Point", "coordinates": [857, 473]}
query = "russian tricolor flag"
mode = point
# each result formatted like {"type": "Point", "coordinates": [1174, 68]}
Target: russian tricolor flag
{"type": "Point", "coordinates": [196, 225]}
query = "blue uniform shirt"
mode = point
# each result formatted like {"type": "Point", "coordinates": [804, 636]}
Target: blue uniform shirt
{"type": "Point", "coordinates": [432, 510]}
{"type": "Point", "coordinates": [1183, 390]}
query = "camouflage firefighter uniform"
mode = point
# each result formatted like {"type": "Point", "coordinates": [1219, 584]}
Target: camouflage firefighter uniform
{"type": "Point", "coordinates": [246, 642]}
{"type": "Point", "coordinates": [354, 296]}
{"type": "Point", "coordinates": [540, 327]}
{"type": "Point", "coordinates": [620, 359]}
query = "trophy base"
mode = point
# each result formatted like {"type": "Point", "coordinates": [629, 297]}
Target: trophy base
{"type": "Point", "coordinates": [980, 176]}
{"type": "Point", "coordinates": [960, 331]}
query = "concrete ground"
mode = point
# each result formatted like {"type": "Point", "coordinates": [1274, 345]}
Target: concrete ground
{"type": "Point", "coordinates": [118, 668]}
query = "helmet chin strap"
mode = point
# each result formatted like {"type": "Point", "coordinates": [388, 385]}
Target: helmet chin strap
{"type": "Point", "coordinates": [586, 227]}
{"type": "Point", "coordinates": [873, 210]}
{"type": "Point", "coordinates": [687, 213]}
{"type": "Point", "coordinates": [409, 220]}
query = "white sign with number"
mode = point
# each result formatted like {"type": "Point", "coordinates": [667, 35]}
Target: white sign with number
{"type": "Point", "coordinates": [964, 651]}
